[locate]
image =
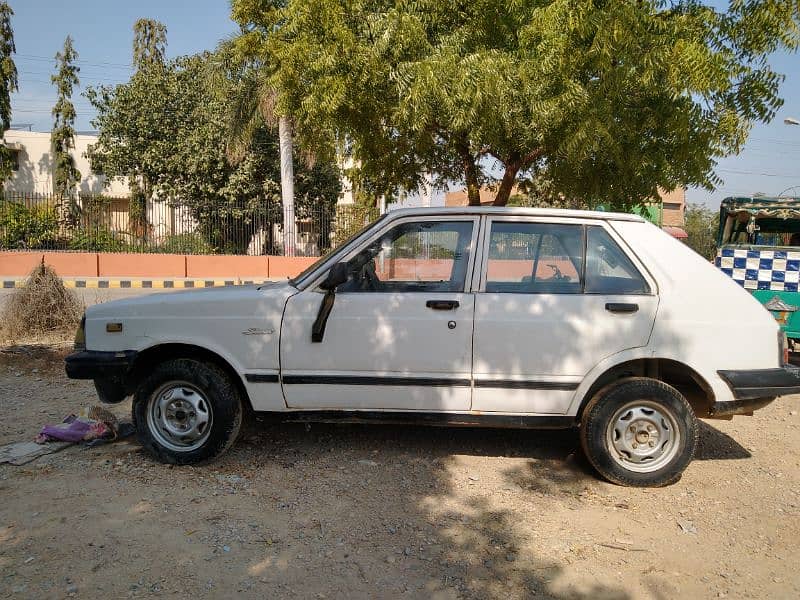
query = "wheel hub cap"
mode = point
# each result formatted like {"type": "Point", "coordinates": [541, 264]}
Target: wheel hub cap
{"type": "Point", "coordinates": [179, 416]}
{"type": "Point", "coordinates": [643, 436]}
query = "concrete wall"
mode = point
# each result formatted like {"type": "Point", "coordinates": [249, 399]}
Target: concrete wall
{"type": "Point", "coordinates": [91, 264]}
{"type": "Point", "coordinates": [35, 174]}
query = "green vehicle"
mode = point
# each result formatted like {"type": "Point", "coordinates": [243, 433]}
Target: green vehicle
{"type": "Point", "coordinates": [759, 247]}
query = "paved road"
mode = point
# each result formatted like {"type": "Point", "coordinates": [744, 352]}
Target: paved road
{"type": "Point", "coordinates": [95, 296]}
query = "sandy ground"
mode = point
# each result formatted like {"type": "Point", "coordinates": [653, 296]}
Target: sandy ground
{"type": "Point", "coordinates": [384, 512]}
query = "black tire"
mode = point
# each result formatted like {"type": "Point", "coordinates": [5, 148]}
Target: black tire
{"type": "Point", "coordinates": [218, 397]}
{"type": "Point", "coordinates": [620, 452]}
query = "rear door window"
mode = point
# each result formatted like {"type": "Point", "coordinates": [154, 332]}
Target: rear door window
{"type": "Point", "coordinates": [534, 258]}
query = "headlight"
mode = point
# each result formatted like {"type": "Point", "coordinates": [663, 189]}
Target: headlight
{"type": "Point", "coordinates": [80, 335]}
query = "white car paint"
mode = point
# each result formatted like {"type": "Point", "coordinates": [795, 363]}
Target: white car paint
{"type": "Point", "coordinates": [694, 315]}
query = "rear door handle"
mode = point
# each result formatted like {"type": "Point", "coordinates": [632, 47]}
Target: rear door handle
{"type": "Point", "coordinates": [442, 304]}
{"type": "Point", "coordinates": [622, 307]}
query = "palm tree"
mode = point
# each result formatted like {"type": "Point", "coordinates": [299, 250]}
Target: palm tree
{"type": "Point", "coordinates": [251, 103]}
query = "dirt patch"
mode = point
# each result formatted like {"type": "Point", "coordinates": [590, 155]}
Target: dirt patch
{"type": "Point", "coordinates": [378, 512]}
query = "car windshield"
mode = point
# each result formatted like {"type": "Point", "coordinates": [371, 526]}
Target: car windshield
{"type": "Point", "coordinates": [297, 279]}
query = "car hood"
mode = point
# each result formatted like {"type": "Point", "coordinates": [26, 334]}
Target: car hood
{"type": "Point", "coordinates": [203, 301]}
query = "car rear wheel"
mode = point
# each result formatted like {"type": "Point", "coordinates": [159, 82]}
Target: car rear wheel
{"type": "Point", "coordinates": [186, 412]}
{"type": "Point", "coordinates": [639, 432]}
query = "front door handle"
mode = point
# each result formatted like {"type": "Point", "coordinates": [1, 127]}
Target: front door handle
{"type": "Point", "coordinates": [442, 304]}
{"type": "Point", "coordinates": [622, 307]}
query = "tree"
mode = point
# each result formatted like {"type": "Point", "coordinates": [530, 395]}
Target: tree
{"type": "Point", "coordinates": [609, 100]}
{"type": "Point", "coordinates": [259, 107]}
{"type": "Point", "coordinates": [183, 156]}
{"type": "Point", "coordinates": [702, 225]}
{"type": "Point", "coordinates": [149, 54]}
{"type": "Point", "coordinates": [62, 137]}
{"type": "Point", "coordinates": [8, 83]}
{"type": "Point", "coordinates": [149, 43]}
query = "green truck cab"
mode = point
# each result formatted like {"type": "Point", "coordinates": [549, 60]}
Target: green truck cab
{"type": "Point", "coordinates": [759, 248]}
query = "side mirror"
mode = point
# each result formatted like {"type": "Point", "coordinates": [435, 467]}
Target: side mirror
{"type": "Point", "coordinates": [336, 276]}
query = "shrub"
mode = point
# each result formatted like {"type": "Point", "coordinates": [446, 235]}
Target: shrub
{"type": "Point", "coordinates": [43, 305]}
{"type": "Point", "coordinates": [97, 239]}
{"type": "Point", "coordinates": [184, 243]}
{"type": "Point", "coordinates": [23, 227]}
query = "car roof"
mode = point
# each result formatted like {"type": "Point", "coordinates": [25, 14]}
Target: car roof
{"type": "Point", "coordinates": [429, 211]}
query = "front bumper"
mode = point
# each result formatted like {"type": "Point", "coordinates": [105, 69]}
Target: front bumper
{"type": "Point", "coordinates": [756, 388]}
{"type": "Point", "coordinates": [109, 370]}
{"type": "Point", "coordinates": [94, 364]}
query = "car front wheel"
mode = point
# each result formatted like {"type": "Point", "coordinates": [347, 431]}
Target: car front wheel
{"type": "Point", "coordinates": [186, 412]}
{"type": "Point", "coordinates": [639, 432]}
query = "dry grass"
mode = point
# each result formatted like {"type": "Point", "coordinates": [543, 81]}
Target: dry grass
{"type": "Point", "coordinates": [44, 306]}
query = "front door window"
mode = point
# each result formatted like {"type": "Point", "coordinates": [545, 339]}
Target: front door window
{"type": "Point", "coordinates": [413, 257]}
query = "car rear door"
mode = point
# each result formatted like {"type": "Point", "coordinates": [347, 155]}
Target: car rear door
{"type": "Point", "coordinates": [399, 335]}
{"type": "Point", "coordinates": [555, 297]}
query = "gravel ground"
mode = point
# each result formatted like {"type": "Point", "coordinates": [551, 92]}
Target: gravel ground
{"type": "Point", "coordinates": [380, 512]}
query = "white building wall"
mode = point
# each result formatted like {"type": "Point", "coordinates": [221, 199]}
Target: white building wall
{"type": "Point", "coordinates": [35, 174]}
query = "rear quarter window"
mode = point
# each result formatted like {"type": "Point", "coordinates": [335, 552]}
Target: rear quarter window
{"type": "Point", "coordinates": [608, 269]}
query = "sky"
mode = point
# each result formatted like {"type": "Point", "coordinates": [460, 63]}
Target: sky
{"type": "Point", "coordinates": [102, 32]}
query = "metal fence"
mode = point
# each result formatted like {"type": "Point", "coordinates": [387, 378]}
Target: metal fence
{"type": "Point", "coordinates": [110, 224]}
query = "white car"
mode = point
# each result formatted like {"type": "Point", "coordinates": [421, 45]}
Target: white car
{"type": "Point", "coordinates": [495, 317]}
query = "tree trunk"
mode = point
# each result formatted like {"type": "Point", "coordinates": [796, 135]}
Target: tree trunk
{"type": "Point", "coordinates": [513, 166]}
{"type": "Point", "coordinates": [470, 175]}
{"type": "Point", "coordinates": [506, 185]}
{"type": "Point", "coordinates": [287, 185]}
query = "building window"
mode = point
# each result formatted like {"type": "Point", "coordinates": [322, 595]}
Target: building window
{"type": "Point", "coordinates": [672, 206]}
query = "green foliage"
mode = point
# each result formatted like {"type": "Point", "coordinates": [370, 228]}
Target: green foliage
{"type": "Point", "coordinates": [62, 138]}
{"type": "Point", "coordinates": [23, 227]}
{"type": "Point", "coordinates": [352, 218]}
{"type": "Point", "coordinates": [609, 100]}
{"type": "Point", "coordinates": [184, 243]}
{"type": "Point", "coordinates": [149, 43]}
{"type": "Point", "coordinates": [8, 83]}
{"type": "Point", "coordinates": [183, 157]}
{"type": "Point", "coordinates": [539, 191]}
{"type": "Point", "coordinates": [96, 239]}
{"type": "Point", "coordinates": [702, 225]}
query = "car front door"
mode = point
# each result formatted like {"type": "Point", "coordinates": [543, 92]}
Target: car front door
{"type": "Point", "coordinates": [555, 299]}
{"type": "Point", "coordinates": [399, 335]}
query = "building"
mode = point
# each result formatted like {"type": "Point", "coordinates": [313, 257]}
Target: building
{"type": "Point", "coordinates": [33, 173]}
{"type": "Point", "coordinates": [33, 167]}
{"type": "Point", "coordinates": [673, 207]}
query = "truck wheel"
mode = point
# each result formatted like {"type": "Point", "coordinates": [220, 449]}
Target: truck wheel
{"type": "Point", "coordinates": [639, 432]}
{"type": "Point", "coordinates": [186, 412]}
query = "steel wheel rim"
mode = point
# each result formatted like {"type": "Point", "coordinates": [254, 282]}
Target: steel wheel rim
{"type": "Point", "coordinates": [179, 416]}
{"type": "Point", "coordinates": [643, 436]}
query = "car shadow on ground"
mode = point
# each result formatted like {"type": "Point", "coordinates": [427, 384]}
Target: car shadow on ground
{"type": "Point", "coordinates": [475, 516]}
{"type": "Point", "coordinates": [387, 473]}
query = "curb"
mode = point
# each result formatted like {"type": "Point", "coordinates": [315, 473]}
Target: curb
{"type": "Point", "coordinates": [142, 283]}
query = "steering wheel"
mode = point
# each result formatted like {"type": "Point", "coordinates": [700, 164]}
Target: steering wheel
{"type": "Point", "coordinates": [557, 275]}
